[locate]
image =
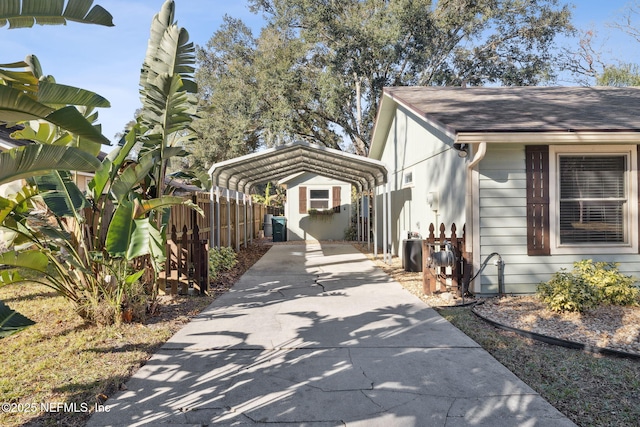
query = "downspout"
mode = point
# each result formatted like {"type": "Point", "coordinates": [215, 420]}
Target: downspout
{"type": "Point", "coordinates": [472, 243]}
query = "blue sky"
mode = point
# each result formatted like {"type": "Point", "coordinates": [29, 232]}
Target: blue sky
{"type": "Point", "coordinates": [108, 60]}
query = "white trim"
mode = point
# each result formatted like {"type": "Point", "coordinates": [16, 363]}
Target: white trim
{"type": "Point", "coordinates": [631, 214]}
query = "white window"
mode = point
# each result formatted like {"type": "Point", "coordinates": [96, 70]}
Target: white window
{"type": "Point", "coordinates": [407, 179]}
{"type": "Point", "coordinates": [319, 199]}
{"type": "Point", "coordinates": [593, 199]}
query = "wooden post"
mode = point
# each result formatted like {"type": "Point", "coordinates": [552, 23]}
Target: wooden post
{"type": "Point", "coordinates": [428, 281]}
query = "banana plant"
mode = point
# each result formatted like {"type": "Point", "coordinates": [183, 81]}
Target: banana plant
{"type": "Point", "coordinates": [29, 96]}
{"type": "Point", "coordinates": [26, 13]}
{"type": "Point", "coordinates": [26, 96]}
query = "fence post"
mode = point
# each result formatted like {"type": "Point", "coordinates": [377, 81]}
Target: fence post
{"type": "Point", "coordinates": [428, 281]}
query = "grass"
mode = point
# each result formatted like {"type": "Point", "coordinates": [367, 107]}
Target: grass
{"type": "Point", "coordinates": [61, 359]}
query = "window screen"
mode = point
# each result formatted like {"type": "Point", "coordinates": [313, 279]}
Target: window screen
{"type": "Point", "coordinates": [319, 199]}
{"type": "Point", "coordinates": [593, 199]}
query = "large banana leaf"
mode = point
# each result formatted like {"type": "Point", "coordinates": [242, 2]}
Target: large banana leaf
{"type": "Point", "coordinates": [37, 159]}
{"type": "Point", "coordinates": [26, 13]}
{"type": "Point", "coordinates": [169, 50]}
{"type": "Point", "coordinates": [50, 93]}
{"type": "Point", "coordinates": [128, 237]}
{"type": "Point", "coordinates": [32, 259]}
{"type": "Point", "coordinates": [17, 106]}
{"type": "Point", "coordinates": [131, 178]}
{"type": "Point", "coordinates": [60, 193]}
{"type": "Point", "coordinates": [11, 321]}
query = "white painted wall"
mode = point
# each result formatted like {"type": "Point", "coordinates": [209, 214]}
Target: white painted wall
{"type": "Point", "coordinates": [413, 146]}
{"type": "Point", "coordinates": [503, 227]}
{"type": "Point", "coordinates": [302, 226]}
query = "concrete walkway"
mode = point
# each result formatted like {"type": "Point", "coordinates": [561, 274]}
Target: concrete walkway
{"type": "Point", "coordinates": [316, 335]}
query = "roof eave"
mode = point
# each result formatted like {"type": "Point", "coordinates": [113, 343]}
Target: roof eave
{"type": "Point", "coordinates": [550, 137]}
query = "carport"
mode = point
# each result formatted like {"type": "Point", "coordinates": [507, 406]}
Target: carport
{"type": "Point", "coordinates": [236, 178]}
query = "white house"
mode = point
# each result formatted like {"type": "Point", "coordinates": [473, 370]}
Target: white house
{"type": "Point", "coordinates": [317, 207]}
{"type": "Point", "coordinates": [550, 175]}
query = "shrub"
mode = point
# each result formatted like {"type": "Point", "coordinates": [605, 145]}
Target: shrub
{"type": "Point", "coordinates": [221, 259]}
{"type": "Point", "coordinates": [588, 285]}
{"type": "Point", "coordinates": [614, 287]}
{"type": "Point", "coordinates": [568, 292]}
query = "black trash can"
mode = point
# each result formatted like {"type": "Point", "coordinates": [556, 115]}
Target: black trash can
{"type": "Point", "coordinates": [412, 255]}
{"type": "Point", "coordinates": [268, 227]}
{"type": "Point", "coordinates": [279, 224]}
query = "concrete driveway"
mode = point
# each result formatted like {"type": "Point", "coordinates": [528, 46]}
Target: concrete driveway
{"type": "Point", "coordinates": [316, 335]}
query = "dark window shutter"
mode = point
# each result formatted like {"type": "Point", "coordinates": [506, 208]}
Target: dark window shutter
{"type": "Point", "coordinates": [302, 202]}
{"type": "Point", "coordinates": [336, 199]}
{"type": "Point", "coordinates": [638, 177]}
{"type": "Point", "coordinates": [537, 163]}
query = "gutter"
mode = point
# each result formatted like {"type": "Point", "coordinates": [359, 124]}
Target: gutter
{"type": "Point", "coordinates": [472, 243]}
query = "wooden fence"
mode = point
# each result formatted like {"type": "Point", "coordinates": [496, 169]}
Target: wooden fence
{"type": "Point", "coordinates": [189, 234]}
{"type": "Point", "coordinates": [452, 272]}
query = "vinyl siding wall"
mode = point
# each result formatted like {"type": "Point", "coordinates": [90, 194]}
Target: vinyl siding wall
{"type": "Point", "coordinates": [503, 222]}
{"type": "Point", "coordinates": [414, 147]}
{"type": "Point", "coordinates": [300, 226]}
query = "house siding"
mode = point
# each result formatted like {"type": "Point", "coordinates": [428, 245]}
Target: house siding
{"type": "Point", "coordinates": [413, 146]}
{"type": "Point", "coordinates": [503, 227]}
{"type": "Point", "coordinates": [300, 226]}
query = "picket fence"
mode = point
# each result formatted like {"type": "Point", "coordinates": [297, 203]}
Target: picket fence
{"type": "Point", "coordinates": [189, 235]}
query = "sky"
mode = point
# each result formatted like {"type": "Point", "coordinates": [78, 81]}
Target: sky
{"type": "Point", "coordinates": [107, 60]}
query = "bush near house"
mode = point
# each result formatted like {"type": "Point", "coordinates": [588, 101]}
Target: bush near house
{"type": "Point", "coordinates": [588, 285]}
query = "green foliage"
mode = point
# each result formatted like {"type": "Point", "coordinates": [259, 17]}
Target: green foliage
{"type": "Point", "coordinates": [619, 76]}
{"type": "Point", "coordinates": [317, 70]}
{"type": "Point", "coordinates": [95, 248]}
{"type": "Point", "coordinates": [12, 321]}
{"type": "Point", "coordinates": [568, 292]}
{"type": "Point", "coordinates": [588, 285]}
{"type": "Point", "coordinates": [613, 287]}
{"type": "Point", "coordinates": [221, 259]}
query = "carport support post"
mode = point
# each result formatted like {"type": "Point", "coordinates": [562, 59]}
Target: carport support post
{"type": "Point", "coordinates": [375, 223]}
{"type": "Point", "coordinates": [244, 200]}
{"type": "Point", "coordinates": [357, 219]}
{"type": "Point", "coordinates": [368, 227]}
{"type": "Point", "coordinates": [384, 225]}
{"type": "Point", "coordinates": [389, 221]}
{"type": "Point", "coordinates": [229, 217]}
{"type": "Point", "coordinates": [217, 219]}
{"type": "Point", "coordinates": [363, 216]}
{"type": "Point", "coordinates": [237, 224]}
{"type": "Point", "coordinates": [251, 216]}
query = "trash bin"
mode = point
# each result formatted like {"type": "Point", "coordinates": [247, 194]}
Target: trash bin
{"type": "Point", "coordinates": [279, 224]}
{"type": "Point", "coordinates": [268, 227]}
{"type": "Point", "coordinates": [412, 255]}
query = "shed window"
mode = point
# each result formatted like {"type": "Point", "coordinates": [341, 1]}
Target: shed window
{"type": "Point", "coordinates": [319, 199]}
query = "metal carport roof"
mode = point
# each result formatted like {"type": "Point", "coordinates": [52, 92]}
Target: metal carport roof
{"type": "Point", "coordinates": [243, 173]}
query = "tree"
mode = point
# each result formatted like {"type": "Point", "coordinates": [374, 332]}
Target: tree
{"type": "Point", "coordinates": [317, 69]}
{"type": "Point", "coordinates": [588, 64]}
